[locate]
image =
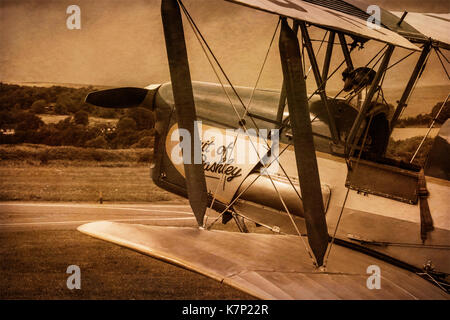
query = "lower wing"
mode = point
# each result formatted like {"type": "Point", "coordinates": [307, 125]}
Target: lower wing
{"type": "Point", "coordinates": [267, 266]}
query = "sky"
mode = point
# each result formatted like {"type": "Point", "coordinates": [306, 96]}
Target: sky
{"type": "Point", "coordinates": [121, 43]}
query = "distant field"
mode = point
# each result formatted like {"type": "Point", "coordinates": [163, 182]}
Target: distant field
{"type": "Point", "coordinates": [35, 172]}
{"type": "Point", "coordinates": [23, 181]}
{"type": "Point", "coordinates": [34, 262]}
{"type": "Point", "coordinates": [422, 100]}
{"type": "Point", "coordinates": [41, 173]}
{"type": "Point", "coordinates": [93, 121]}
{"type": "Point", "coordinates": [42, 154]}
{"type": "Point", "coordinates": [405, 133]}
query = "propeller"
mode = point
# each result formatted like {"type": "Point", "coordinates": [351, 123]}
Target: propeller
{"type": "Point", "coordinates": [128, 97]}
{"type": "Point", "coordinates": [184, 105]}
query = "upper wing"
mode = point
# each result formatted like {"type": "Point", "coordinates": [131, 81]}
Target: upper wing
{"type": "Point", "coordinates": [266, 266]}
{"type": "Point", "coordinates": [416, 27]}
{"type": "Point", "coordinates": [335, 15]}
{"type": "Point", "coordinates": [433, 25]}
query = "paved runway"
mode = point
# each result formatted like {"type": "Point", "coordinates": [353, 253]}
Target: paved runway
{"type": "Point", "coordinates": [16, 216]}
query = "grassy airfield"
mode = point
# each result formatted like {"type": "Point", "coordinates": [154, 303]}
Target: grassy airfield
{"type": "Point", "coordinates": [34, 261]}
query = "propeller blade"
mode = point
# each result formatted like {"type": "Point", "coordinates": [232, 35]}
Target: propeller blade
{"type": "Point", "coordinates": [117, 98]}
{"type": "Point", "coordinates": [184, 105]}
{"type": "Point", "coordinates": [305, 155]}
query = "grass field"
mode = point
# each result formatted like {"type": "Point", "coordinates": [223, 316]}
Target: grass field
{"type": "Point", "coordinates": [34, 263]}
{"type": "Point", "coordinates": [36, 172]}
{"type": "Point", "coordinates": [42, 154]}
{"type": "Point", "coordinates": [65, 182]}
{"type": "Point", "coordinates": [93, 121]}
{"type": "Point", "coordinates": [42, 173]}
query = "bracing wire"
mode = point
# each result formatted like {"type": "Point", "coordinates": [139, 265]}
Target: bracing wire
{"type": "Point", "coordinates": [198, 33]}
{"type": "Point", "coordinates": [346, 195]}
{"type": "Point", "coordinates": [400, 60]}
{"type": "Point", "coordinates": [429, 129]}
{"type": "Point", "coordinates": [318, 51]}
{"type": "Point", "coordinates": [354, 94]}
{"type": "Point", "coordinates": [442, 63]}
{"type": "Point", "coordinates": [193, 25]}
{"type": "Point", "coordinates": [249, 103]}
{"type": "Point", "coordinates": [443, 55]}
{"type": "Point", "coordinates": [415, 85]}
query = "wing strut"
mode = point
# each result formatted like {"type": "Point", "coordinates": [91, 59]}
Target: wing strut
{"type": "Point", "coordinates": [411, 83]}
{"type": "Point", "coordinates": [328, 54]}
{"type": "Point", "coordinates": [319, 81]}
{"type": "Point", "coordinates": [184, 105]}
{"type": "Point", "coordinates": [345, 51]}
{"type": "Point", "coordinates": [305, 155]}
{"type": "Point", "coordinates": [353, 137]}
{"type": "Point", "coordinates": [282, 103]}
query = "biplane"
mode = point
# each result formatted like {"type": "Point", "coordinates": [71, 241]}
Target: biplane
{"type": "Point", "coordinates": [314, 170]}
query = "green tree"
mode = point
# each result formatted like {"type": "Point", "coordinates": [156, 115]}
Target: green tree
{"type": "Point", "coordinates": [445, 113]}
{"type": "Point", "coordinates": [60, 109]}
{"type": "Point", "coordinates": [99, 142]}
{"type": "Point", "coordinates": [144, 142]}
{"type": "Point", "coordinates": [81, 117]}
{"type": "Point", "coordinates": [143, 117]}
{"type": "Point", "coordinates": [28, 121]}
{"type": "Point", "coordinates": [126, 124]}
{"type": "Point", "coordinates": [63, 124]}
{"type": "Point", "coordinates": [39, 106]}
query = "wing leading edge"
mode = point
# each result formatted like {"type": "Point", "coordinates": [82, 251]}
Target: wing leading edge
{"type": "Point", "coordinates": [329, 18]}
{"type": "Point", "coordinates": [266, 266]}
{"type": "Point", "coordinates": [432, 25]}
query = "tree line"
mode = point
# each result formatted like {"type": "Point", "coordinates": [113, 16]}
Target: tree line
{"type": "Point", "coordinates": [20, 107]}
{"type": "Point", "coordinates": [425, 119]}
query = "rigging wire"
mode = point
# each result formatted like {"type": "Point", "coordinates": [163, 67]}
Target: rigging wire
{"type": "Point", "coordinates": [240, 194]}
{"type": "Point", "coordinates": [317, 53]}
{"type": "Point", "coordinates": [429, 129]}
{"type": "Point", "coordinates": [438, 283]}
{"type": "Point", "coordinates": [439, 49]}
{"type": "Point", "coordinates": [362, 145]}
{"type": "Point", "coordinates": [249, 104]}
{"type": "Point", "coordinates": [328, 78]}
{"type": "Point", "coordinates": [442, 63]}
{"type": "Point", "coordinates": [221, 83]}
{"type": "Point", "coordinates": [355, 93]}
{"type": "Point", "coordinates": [434, 119]}
{"type": "Point", "coordinates": [401, 244]}
{"type": "Point", "coordinates": [375, 56]}
{"type": "Point", "coordinates": [400, 60]}
{"type": "Point", "coordinates": [415, 84]}
{"type": "Point", "coordinates": [242, 123]}
{"type": "Point", "coordinates": [302, 45]}
{"type": "Point", "coordinates": [340, 65]}
{"type": "Point", "coordinates": [348, 191]}
{"type": "Point", "coordinates": [317, 90]}
{"type": "Point", "coordinates": [261, 70]}
{"type": "Point", "coordinates": [193, 25]}
{"type": "Point", "coordinates": [198, 34]}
